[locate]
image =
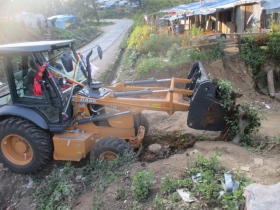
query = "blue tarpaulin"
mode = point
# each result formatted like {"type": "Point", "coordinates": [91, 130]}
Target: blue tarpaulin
{"type": "Point", "coordinates": [61, 21]}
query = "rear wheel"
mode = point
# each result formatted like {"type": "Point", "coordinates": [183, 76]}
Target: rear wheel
{"type": "Point", "coordinates": [109, 148]}
{"type": "Point", "coordinates": [24, 147]}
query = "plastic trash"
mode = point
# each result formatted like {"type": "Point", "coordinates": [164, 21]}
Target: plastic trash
{"type": "Point", "coordinates": [197, 177]}
{"type": "Point", "coordinates": [186, 196]}
{"type": "Point", "coordinates": [267, 106]}
{"type": "Point", "coordinates": [229, 186]}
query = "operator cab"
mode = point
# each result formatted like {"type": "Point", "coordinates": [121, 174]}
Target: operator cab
{"type": "Point", "coordinates": [18, 66]}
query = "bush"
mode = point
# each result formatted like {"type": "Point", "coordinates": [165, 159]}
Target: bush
{"type": "Point", "coordinates": [148, 64]}
{"type": "Point", "coordinates": [169, 186]}
{"type": "Point", "coordinates": [142, 183]}
{"type": "Point", "coordinates": [88, 32]}
{"type": "Point", "coordinates": [195, 31]}
{"type": "Point", "coordinates": [227, 96]}
{"type": "Point", "coordinates": [254, 55]}
{"type": "Point", "coordinates": [273, 47]}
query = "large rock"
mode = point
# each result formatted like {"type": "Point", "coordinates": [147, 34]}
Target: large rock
{"type": "Point", "coordinates": [155, 147]}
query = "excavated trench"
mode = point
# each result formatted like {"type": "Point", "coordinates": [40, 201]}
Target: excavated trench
{"type": "Point", "coordinates": [169, 144]}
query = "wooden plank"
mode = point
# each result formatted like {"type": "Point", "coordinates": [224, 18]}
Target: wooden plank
{"type": "Point", "coordinates": [228, 41]}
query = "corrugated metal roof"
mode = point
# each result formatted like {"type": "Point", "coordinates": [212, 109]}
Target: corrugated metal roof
{"type": "Point", "coordinates": [208, 6]}
{"type": "Point", "coordinates": [270, 4]}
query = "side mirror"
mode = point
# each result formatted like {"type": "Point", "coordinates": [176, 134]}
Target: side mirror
{"type": "Point", "coordinates": [67, 62]}
{"type": "Point", "coordinates": [100, 52]}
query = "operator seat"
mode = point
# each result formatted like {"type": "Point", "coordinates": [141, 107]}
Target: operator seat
{"type": "Point", "coordinates": [28, 80]}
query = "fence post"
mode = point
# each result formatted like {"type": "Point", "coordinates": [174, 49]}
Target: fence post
{"type": "Point", "coordinates": [239, 42]}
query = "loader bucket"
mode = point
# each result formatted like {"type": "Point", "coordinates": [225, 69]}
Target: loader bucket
{"type": "Point", "coordinates": [205, 111]}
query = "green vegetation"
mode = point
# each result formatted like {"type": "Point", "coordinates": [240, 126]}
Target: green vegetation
{"type": "Point", "coordinates": [227, 96]}
{"type": "Point", "coordinates": [206, 190]}
{"type": "Point", "coordinates": [147, 51]}
{"type": "Point", "coordinates": [262, 48]}
{"type": "Point", "coordinates": [195, 31]}
{"type": "Point", "coordinates": [57, 190]}
{"type": "Point", "coordinates": [115, 13]}
{"type": "Point", "coordinates": [80, 34]}
{"type": "Point", "coordinates": [141, 184]}
{"type": "Point", "coordinates": [254, 55]}
{"type": "Point", "coordinates": [15, 32]}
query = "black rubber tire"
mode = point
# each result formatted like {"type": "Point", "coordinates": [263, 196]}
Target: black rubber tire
{"type": "Point", "coordinates": [39, 140]}
{"type": "Point", "coordinates": [145, 124]}
{"type": "Point", "coordinates": [110, 144]}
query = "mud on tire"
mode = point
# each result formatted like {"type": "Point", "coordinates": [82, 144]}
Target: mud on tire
{"type": "Point", "coordinates": [24, 147]}
{"type": "Point", "coordinates": [108, 148]}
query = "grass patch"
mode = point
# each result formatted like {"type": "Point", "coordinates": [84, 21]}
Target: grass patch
{"type": "Point", "coordinates": [207, 190]}
{"type": "Point", "coordinates": [142, 183]}
{"type": "Point", "coordinates": [59, 190]}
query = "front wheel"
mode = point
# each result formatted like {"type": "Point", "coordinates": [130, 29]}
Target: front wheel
{"type": "Point", "coordinates": [24, 147]}
{"type": "Point", "coordinates": [109, 148]}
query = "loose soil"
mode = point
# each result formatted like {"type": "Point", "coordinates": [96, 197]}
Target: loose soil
{"type": "Point", "coordinates": [179, 144]}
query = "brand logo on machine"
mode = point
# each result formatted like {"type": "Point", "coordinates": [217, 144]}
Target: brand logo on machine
{"type": "Point", "coordinates": [113, 108]}
{"type": "Point", "coordinates": [86, 100]}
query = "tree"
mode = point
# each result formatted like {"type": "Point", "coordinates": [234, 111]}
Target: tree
{"type": "Point", "coordinates": [95, 11]}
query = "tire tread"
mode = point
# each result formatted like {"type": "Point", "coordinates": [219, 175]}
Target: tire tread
{"type": "Point", "coordinates": [40, 140]}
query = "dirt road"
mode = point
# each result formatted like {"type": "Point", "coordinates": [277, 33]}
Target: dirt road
{"type": "Point", "coordinates": [109, 41]}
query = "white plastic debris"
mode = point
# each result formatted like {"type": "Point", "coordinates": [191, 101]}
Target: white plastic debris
{"type": "Point", "coordinates": [221, 193]}
{"type": "Point", "coordinates": [197, 177]}
{"type": "Point", "coordinates": [229, 186]}
{"type": "Point", "coordinates": [267, 106]}
{"type": "Point", "coordinates": [186, 196]}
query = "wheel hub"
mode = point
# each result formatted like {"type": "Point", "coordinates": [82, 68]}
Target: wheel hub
{"type": "Point", "coordinates": [17, 149]}
{"type": "Point", "coordinates": [21, 146]}
{"type": "Point", "coordinates": [107, 156]}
